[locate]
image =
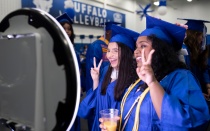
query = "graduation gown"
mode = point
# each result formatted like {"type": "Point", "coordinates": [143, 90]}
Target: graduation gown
{"type": "Point", "coordinates": [183, 105]}
{"type": "Point", "coordinates": [201, 75]}
{"type": "Point", "coordinates": [94, 102]}
{"type": "Point", "coordinates": [98, 50]}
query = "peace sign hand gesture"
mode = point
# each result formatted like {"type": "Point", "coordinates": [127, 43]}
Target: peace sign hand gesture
{"type": "Point", "coordinates": [145, 72]}
{"type": "Point", "coordinates": [95, 70]}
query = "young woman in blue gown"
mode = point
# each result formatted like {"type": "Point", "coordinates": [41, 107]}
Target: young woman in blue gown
{"type": "Point", "coordinates": [166, 97]}
{"type": "Point", "coordinates": [107, 91]}
{"type": "Point", "coordinates": [196, 57]}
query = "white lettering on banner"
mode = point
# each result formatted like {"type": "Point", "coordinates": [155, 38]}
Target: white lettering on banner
{"type": "Point", "coordinates": [75, 20]}
{"type": "Point", "coordinates": [94, 12]}
{"type": "Point", "coordinates": [99, 12]}
{"type": "Point", "coordinates": [93, 16]}
{"type": "Point", "coordinates": [80, 19]}
{"type": "Point", "coordinates": [96, 21]}
{"type": "Point", "coordinates": [76, 7]}
{"type": "Point", "coordinates": [91, 20]}
{"type": "Point", "coordinates": [89, 9]}
{"type": "Point", "coordinates": [83, 8]}
{"type": "Point", "coordinates": [104, 13]}
{"type": "Point", "coordinates": [102, 20]}
{"type": "Point", "coordinates": [86, 20]}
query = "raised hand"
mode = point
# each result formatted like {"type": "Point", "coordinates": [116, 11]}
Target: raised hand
{"type": "Point", "coordinates": [94, 71]}
{"type": "Point", "coordinates": [145, 72]}
{"type": "Point", "coordinates": [182, 25]}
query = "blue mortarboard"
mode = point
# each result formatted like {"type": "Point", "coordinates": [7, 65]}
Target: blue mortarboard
{"type": "Point", "coordinates": [123, 35]}
{"type": "Point", "coordinates": [165, 31]}
{"type": "Point", "coordinates": [196, 25]}
{"type": "Point", "coordinates": [64, 18]}
{"type": "Point", "coordinates": [109, 24]}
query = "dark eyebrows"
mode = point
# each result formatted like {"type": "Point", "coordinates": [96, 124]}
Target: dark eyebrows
{"type": "Point", "coordinates": [114, 48]}
{"type": "Point", "coordinates": [144, 42]}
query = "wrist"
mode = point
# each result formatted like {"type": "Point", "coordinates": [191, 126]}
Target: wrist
{"type": "Point", "coordinates": [95, 84]}
{"type": "Point", "coordinates": [153, 83]}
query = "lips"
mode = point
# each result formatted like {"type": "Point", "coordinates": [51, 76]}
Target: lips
{"type": "Point", "coordinates": [138, 59]}
{"type": "Point", "coordinates": [112, 61]}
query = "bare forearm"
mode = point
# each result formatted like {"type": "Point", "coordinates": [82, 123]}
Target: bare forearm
{"type": "Point", "coordinates": [156, 93]}
{"type": "Point", "coordinates": [95, 84]}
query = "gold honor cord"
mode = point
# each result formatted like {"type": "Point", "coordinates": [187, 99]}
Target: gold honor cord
{"type": "Point", "coordinates": [104, 40]}
{"type": "Point", "coordinates": [124, 99]}
{"type": "Point", "coordinates": [136, 122]}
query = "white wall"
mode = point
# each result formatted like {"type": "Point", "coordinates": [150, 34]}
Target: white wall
{"type": "Point", "coordinates": [183, 9]}
{"type": "Point", "coordinates": [7, 6]}
{"type": "Point", "coordinates": [176, 9]}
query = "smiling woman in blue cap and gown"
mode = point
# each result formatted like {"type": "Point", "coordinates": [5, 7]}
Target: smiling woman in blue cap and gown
{"type": "Point", "coordinates": [196, 57]}
{"type": "Point", "coordinates": [98, 50]}
{"type": "Point", "coordinates": [107, 91]}
{"type": "Point", "coordinates": [166, 96]}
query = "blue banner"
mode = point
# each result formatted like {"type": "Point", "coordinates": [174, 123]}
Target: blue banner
{"type": "Point", "coordinates": [85, 14]}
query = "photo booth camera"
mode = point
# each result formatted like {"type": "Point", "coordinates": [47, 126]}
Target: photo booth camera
{"type": "Point", "coordinates": [39, 73]}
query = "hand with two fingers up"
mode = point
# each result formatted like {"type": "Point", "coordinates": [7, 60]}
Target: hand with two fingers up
{"type": "Point", "coordinates": [145, 72]}
{"type": "Point", "coordinates": [95, 72]}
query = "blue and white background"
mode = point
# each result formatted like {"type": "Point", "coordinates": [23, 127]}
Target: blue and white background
{"type": "Point", "coordinates": [85, 14]}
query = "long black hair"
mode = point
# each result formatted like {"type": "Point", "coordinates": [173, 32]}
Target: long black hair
{"type": "Point", "coordinates": [127, 72]}
{"type": "Point", "coordinates": [72, 31]}
{"type": "Point", "coordinates": [165, 58]}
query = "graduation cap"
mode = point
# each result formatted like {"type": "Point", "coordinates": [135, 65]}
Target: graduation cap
{"type": "Point", "coordinates": [196, 25]}
{"type": "Point", "coordinates": [168, 32]}
{"type": "Point", "coordinates": [107, 25]}
{"type": "Point", "coordinates": [64, 18]}
{"type": "Point", "coordinates": [124, 36]}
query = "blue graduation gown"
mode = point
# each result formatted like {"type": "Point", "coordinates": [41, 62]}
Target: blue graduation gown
{"type": "Point", "coordinates": [98, 50]}
{"type": "Point", "coordinates": [95, 102]}
{"type": "Point", "coordinates": [201, 75]}
{"type": "Point", "coordinates": [183, 105]}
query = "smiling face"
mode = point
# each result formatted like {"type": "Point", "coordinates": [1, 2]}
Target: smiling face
{"type": "Point", "coordinates": [112, 54]}
{"type": "Point", "coordinates": [142, 43]}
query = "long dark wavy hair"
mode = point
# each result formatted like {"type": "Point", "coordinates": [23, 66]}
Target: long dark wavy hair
{"type": "Point", "coordinates": [72, 31]}
{"type": "Point", "coordinates": [127, 72]}
{"type": "Point", "coordinates": [165, 59]}
{"type": "Point", "coordinates": [197, 56]}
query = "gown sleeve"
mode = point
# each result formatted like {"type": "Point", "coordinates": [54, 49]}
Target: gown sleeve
{"type": "Point", "coordinates": [183, 103]}
{"type": "Point", "coordinates": [88, 105]}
